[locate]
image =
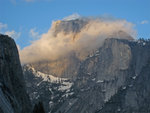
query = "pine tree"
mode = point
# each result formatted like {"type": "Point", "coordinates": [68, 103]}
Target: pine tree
{"type": "Point", "coordinates": [38, 108]}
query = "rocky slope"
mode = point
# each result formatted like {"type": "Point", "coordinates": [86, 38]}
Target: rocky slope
{"type": "Point", "coordinates": [90, 66]}
{"type": "Point", "coordinates": [13, 96]}
{"type": "Point", "coordinates": [114, 79]}
{"type": "Point", "coordinates": [64, 67]}
{"type": "Point", "coordinates": [51, 90]}
{"type": "Point", "coordinates": [134, 97]}
{"type": "Point", "coordinates": [77, 39]}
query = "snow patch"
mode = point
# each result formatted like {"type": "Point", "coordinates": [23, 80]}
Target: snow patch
{"type": "Point", "coordinates": [66, 85]}
{"type": "Point", "coordinates": [124, 87]}
{"type": "Point", "coordinates": [72, 17]}
{"type": "Point", "coordinates": [100, 81]}
{"type": "Point", "coordinates": [46, 77]}
{"type": "Point", "coordinates": [134, 77]}
{"type": "Point", "coordinates": [93, 79]}
{"type": "Point", "coordinates": [130, 85]}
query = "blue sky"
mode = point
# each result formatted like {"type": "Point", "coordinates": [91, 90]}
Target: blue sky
{"type": "Point", "coordinates": [20, 18]}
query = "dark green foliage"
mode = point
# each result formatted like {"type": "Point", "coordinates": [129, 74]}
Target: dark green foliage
{"type": "Point", "coordinates": [1, 111]}
{"type": "Point", "coordinates": [38, 108]}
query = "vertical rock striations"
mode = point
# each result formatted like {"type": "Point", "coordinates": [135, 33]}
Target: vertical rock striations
{"type": "Point", "coordinates": [13, 97]}
{"type": "Point", "coordinates": [113, 79]}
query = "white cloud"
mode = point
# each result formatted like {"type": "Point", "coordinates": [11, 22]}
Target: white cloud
{"type": "Point", "coordinates": [72, 17]}
{"type": "Point", "coordinates": [58, 43]}
{"type": "Point", "coordinates": [34, 34]}
{"type": "Point", "coordinates": [144, 22]}
{"type": "Point", "coordinates": [13, 34]}
{"type": "Point", "coordinates": [18, 47]}
{"type": "Point", "coordinates": [3, 26]}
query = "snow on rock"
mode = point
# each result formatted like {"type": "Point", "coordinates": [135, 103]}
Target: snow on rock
{"type": "Point", "coordinates": [89, 73]}
{"type": "Point", "coordinates": [97, 51]}
{"type": "Point", "coordinates": [66, 85]}
{"type": "Point", "coordinates": [91, 55]}
{"type": "Point", "coordinates": [50, 103]}
{"type": "Point", "coordinates": [72, 17]}
{"type": "Point", "coordinates": [68, 94]}
{"type": "Point", "coordinates": [124, 87]}
{"type": "Point", "coordinates": [47, 77]}
{"type": "Point", "coordinates": [100, 81]}
{"type": "Point", "coordinates": [119, 109]}
{"type": "Point", "coordinates": [134, 77]}
{"type": "Point", "coordinates": [93, 79]}
{"type": "Point", "coordinates": [130, 85]}
{"type": "Point", "coordinates": [97, 54]}
{"type": "Point", "coordinates": [144, 43]}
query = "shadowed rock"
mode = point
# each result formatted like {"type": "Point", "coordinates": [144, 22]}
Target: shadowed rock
{"type": "Point", "coordinates": [13, 96]}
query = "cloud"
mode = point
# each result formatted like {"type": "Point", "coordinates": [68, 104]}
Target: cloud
{"type": "Point", "coordinates": [3, 26]}
{"type": "Point", "coordinates": [144, 22]}
{"type": "Point", "coordinates": [72, 17]}
{"type": "Point", "coordinates": [34, 34]}
{"type": "Point", "coordinates": [13, 34]}
{"type": "Point", "coordinates": [80, 36]}
{"type": "Point", "coordinates": [18, 47]}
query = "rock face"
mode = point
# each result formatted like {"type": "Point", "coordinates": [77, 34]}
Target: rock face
{"type": "Point", "coordinates": [65, 67]}
{"type": "Point", "coordinates": [73, 26]}
{"type": "Point", "coordinates": [51, 90]}
{"type": "Point", "coordinates": [13, 96]}
{"type": "Point", "coordinates": [115, 78]}
{"type": "Point", "coordinates": [73, 40]}
{"type": "Point", "coordinates": [133, 97]}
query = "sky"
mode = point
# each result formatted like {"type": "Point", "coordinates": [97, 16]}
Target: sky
{"type": "Point", "coordinates": [26, 20]}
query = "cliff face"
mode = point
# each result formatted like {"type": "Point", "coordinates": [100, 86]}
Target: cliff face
{"type": "Point", "coordinates": [13, 97]}
{"type": "Point", "coordinates": [100, 76]}
{"type": "Point", "coordinates": [51, 90]}
{"type": "Point", "coordinates": [74, 26]}
{"type": "Point", "coordinates": [68, 43]}
{"type": "Point", "coordinates": [134, 96]}
{"type": "Point", "coordinates": [65, 67]}
{"type": "Point", "coordinates": [113, 79]}
{"type": "Point", "coordinates": [68, 65]}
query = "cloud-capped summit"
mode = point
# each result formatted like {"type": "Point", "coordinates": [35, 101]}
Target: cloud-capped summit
{"type": "Point", "coordinates": [72, 17]}
{"type": "Point", "coordinates": [79, 35]}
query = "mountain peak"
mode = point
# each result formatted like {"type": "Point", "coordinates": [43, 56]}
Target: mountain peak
{"type": "Point", "coordinates": [70, 26]}
{"type": "Point", "coordinates": [121, 35]}
{"type": "Point", "coordinates": [72, 17]}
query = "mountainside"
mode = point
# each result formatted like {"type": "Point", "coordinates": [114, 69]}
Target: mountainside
{"type": "Point", "coordinates": [63, 67]}
{"type": "Point", "coordinates": [88, 65]}
{"type": "Point", "coordinates": [13, 96]}
{"type": "Point", "coordinates": [51, 90]}
{"type": "Point", "coordinates": [114, 78]}
{"type": "Point", "coordinates": [134, 97]}
{"type": "Point", "coordinates": [69, 43]}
